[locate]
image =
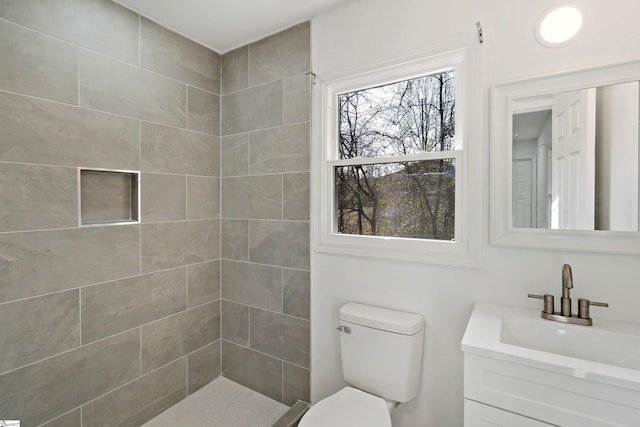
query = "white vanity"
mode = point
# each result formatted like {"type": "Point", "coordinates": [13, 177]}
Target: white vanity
{"type": "Point", "coordinates": [522, 370]}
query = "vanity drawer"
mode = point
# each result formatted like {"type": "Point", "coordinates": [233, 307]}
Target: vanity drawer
{"type": "Point", "coordinates": [480, 415]}
{"type": "Point", "coordinates": [555, 398]}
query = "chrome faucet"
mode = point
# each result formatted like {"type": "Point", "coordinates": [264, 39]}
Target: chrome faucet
{"type": "Point", "coordinates": [583, 317]}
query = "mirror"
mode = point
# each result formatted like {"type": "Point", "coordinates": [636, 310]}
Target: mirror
{"type": "Point", "coordinates": [565, 156]}
{"type": "Point", "coordinates": [575, 159]}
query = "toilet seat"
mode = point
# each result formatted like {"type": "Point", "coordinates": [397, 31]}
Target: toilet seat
{"type": "Point", "coordinates": [349, 407]}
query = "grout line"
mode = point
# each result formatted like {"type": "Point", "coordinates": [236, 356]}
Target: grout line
{"type": "Point", "coordinates": [80, 314]}
{"type": "Point", "coordinates": [251, 131]}
{"type": "Point", "coordinates": [268, 355]}
{"type": "Point", "coordinates": [265, 174]}
{"type": "Point", "coordinates": [186, 377]}
{"type": "Point", "coordinates": [139, 41]}
{"type": "Point", "coordinates": [186, 287]}
{"type": "Point", "coordinates": [266, 309]}
{"type": "Point", "coordinates": [186, 198]}
{"type": "Point", "coordinates": [78, 71]}
{"type": "Point", "coordinates": [140, 344]}
{"type": "Point", "coordinates": [186, 109]}
{"type": "Point", "coordinates": [264, 265]}
{"type": "Point", "coordinates": [107, 112]}
{"type": "Point", "coordinates": [140, 186]}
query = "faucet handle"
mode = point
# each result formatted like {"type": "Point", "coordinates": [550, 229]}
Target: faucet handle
{"type": "Point", "coordinates": [583, 307]}
{"type": "Point", "coordinates": [548, 302]}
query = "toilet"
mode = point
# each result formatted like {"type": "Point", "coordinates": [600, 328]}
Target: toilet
{"type": "Point", "coordinates": [381, 359]}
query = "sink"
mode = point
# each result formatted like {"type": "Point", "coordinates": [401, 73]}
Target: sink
{"type": "Point", "coordinates": [555, 373]}
{"type": "Point", "coordinates": [617, 348]}
{"type": "Point", "coordinates": [607, 350]}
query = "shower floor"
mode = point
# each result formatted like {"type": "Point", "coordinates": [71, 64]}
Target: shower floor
{"type": "Point", "coordinates": [221, 403]}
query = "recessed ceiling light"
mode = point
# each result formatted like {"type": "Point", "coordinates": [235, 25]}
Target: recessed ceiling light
{"type": "Point", "coordinates": [558, 26]}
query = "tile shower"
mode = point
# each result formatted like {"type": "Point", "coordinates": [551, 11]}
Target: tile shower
{"type": "Point", "coordinates": [110, 325]}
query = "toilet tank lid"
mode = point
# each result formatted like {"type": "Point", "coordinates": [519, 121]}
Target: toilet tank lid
{"type": "Point", "coordinates": [384, 319]}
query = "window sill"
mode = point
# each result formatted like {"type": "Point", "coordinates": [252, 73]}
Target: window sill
{"type": "Point", "coordinates": [439, 252]}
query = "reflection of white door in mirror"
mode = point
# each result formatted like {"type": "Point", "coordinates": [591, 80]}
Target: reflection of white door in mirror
{"type": "Point", "coordinates": [573, 160]}
{"type": "Point", "coordinates": [603, 216]}
{"type": "Point", "coordinates": [523, 190]}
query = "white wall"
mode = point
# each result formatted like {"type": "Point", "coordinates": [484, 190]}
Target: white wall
{"type": "Point", "coordinates": [364, 32]}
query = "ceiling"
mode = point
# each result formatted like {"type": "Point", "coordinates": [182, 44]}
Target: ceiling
{"type": "Point", "coordinates": [527, 126]}
{"type": "Point", "coordinates": [223, 25]}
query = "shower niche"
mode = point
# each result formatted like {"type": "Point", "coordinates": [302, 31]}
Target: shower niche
{"type": "Point", "coordinates": [108, 197]}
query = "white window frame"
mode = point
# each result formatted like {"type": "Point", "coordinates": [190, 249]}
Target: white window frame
{"type": "Point", "coordinates": [463, 250]}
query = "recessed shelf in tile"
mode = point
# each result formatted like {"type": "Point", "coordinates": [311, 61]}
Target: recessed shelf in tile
{"type": "Point", "coordinates": [108, 196]}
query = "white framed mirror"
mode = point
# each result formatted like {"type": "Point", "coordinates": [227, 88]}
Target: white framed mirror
{"type": "Point", "coordinates": [565, 160]}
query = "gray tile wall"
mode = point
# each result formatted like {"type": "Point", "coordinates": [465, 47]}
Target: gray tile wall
{"type": "Point", "coordinates": [105, 325]}
{"type": "Point", "coordinates": [265, 115]}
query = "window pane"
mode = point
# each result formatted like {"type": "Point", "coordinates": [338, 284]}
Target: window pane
{"type": "Point", "coordinates": [404, 199]}
{"type": "Point", "coordinates": [399, 118]}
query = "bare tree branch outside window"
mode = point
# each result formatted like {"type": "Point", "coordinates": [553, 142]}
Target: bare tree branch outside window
{"type": "Point", "coordinates": [413, 199]}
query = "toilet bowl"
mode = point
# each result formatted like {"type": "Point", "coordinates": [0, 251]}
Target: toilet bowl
{"type": "Point", "coordinates": [349, 407]}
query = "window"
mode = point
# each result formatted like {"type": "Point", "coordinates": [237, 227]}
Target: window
{"type": "Point", "coordinates": [392, 180]}
{"type": "Point", "coordinates": [408, 129]}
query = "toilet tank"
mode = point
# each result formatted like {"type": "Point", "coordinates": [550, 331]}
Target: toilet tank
{"type": "Point", "coordinates": [381, 350]}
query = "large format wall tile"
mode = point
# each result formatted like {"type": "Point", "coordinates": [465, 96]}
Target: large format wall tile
{"type": "Point", "coordinates": [252, 284]}
{"type": "Point", "coordinates": [170, 150]}
{"type": "Point", "coordinates": [257, 371]}
{"type": "Point", "coordinates": [70, 419]}
{"type": "Point", "coordinates": [40, 262]}
{"type": "Point", "coordinates": [203, 197]}
{"type": "Point", "coordinates": [175, 336]}
{"type": "Point", "coordinates": [255, 108]}
{"type": "Point", "coordinates": [235, 70]}
{"type": "Point", "coordinates": [173, 55]}
{"type": "Point", "coordinates": [204, 111]}
{"type": "Point", "coordinates": [295, 384]}
{"type": "Point", "coordinates": [295, 189]}
{"type": "Point", "coordinates": [296, 293]}
{"type": "Point", "coordinates": [283, 243]}
{"type": "Point", "coordinates": [280, 55]}
{"type": "Point", "coordinates": [109, 85]}
{"type": "Point", "coordinates": [48, 325]}
{"type": "Point", "coordinates": [282, 149]}
{"type": "Point", "coordinates": [234, 155]}
{"type": "Point", "coordinates": [280, 336]}
{"type": "Point", "coordinates": [252, 197]}
{"type": "Point", "coordinates": [204, 366]}
{"type": "Point", "coordinates": [39, 131]}
{"type": "Point", "coordinates": [41, 391]}
{"type": "Point", "coordinates": [163, 197]}
{"type": "Point", "coordinates": [235, 322]}
{"type": "Point", "coordinates": [234, 239]}
{"type": "Point", "coordinates": [35, 64]}
{"type": "Point", "coordinates": [171, 244]}
{"type": "Point", "coordinates": [37, 197]}
{"type": "Point", "coordinates": [99, 25]}
{"type": "Point", "coordinates": [296, 99]}
{"type": "Point", "coordinates": [114, 307]}
{"type": "Point", "coordinates": [139, 401]}
{"type": "Point", "coordinates": [204, 283]}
